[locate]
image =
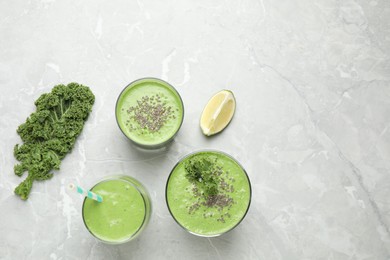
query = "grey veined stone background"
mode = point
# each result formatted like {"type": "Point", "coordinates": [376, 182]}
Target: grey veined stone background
{"type": "Point", "coordinates": [312, 83]}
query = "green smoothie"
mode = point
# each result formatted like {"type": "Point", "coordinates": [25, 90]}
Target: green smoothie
{"type": "Point", "coordinates": [149, 112]}
{"type": "Point", "coordinates": [122, 215]}
{"type": "Point", "coordinates": [208, 193]}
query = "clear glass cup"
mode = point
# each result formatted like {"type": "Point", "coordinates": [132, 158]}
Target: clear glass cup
{"type": "Point", "coordinates": [149, 112]}
{"type": "Point", "coordinates": [201, 209]}
{"type": "Point", "coordinates": [124, 212]}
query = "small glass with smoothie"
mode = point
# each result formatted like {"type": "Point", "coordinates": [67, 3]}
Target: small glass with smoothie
{"type": "Point", "coordinates": [124, 212]}
{"type": "Point", "coordinates": [149, 112]}
{"type": "Point", "coordinates": [208, 193]}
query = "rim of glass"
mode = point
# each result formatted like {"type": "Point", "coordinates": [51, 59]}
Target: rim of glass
{"type": "Point", "coordinates": [173, 89]}
{"type": "Point", "coordinates": [144, 196]}
{"type": "Point", "coordinates": [218, 152]}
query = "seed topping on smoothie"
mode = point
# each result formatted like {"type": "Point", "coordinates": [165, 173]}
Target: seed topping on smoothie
{"type": "Point", "coordinates": [209, 186]}
{"type": "Point", "coordinates": [150, 113]}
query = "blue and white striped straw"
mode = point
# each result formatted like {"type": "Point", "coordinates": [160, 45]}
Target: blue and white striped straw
{"type": "Point", "coordinates": [86, 193]}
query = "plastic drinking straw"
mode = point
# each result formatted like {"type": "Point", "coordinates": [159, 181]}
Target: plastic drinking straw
{"type": "Point", "coordinates": [86, 193]}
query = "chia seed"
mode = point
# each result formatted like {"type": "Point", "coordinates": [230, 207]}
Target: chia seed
{"type": "Point", "coordinates": [221, 219]}
{"type": "Point", "coordinates": [150, 113]}
{"type": "Point", "coordinates": [211, 203]}
{"type": "Point", "coordinates": [193, 208]}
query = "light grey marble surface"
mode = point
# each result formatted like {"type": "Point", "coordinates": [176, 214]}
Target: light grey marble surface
{"type": "Point", "coordinates": [312, 83]}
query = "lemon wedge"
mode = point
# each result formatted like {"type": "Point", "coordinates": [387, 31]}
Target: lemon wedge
{"type": "Point", "coordinates": [218, 112]}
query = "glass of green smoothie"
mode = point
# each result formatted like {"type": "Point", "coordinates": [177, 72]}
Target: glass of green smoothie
{"type": "Point", "coordinates": [149, 112]}
{"type": "Point", "coordinates": [208, 193]}
{"type": "Point", "coordinates": [124, 212]}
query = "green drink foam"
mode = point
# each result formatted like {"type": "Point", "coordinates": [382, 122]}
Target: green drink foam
{"type": "Point", "coordinates": [152, 122]}
{"type": "Point", "coordinates": [190, 212]}
{"type": "Point", "coordinates": [121, 215]}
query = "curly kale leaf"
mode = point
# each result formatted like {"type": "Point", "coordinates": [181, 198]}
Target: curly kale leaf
{"type": "Point", "coordinates": [202, 172]}
{"type": "Point", "coordinates": [50, 133]}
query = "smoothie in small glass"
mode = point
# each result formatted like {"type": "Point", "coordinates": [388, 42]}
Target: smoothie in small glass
{"type": "Point", "coordinates": [124, 212]}
{"type": "Point", "coordinates": [149, 112]}
{"type": "Point", "coordinates": [208, 193]}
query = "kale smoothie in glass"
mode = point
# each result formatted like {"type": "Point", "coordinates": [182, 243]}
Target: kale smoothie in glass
{"type": "Point", "coordinates": [124, 212]}
{"type": "Point", "coordinates": [149, 112]}
{"type": "Point", "coordinates": [208, 193]}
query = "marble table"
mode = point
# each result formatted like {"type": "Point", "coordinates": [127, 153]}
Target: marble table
{"type": "Point", "coordinates": [312, 83]}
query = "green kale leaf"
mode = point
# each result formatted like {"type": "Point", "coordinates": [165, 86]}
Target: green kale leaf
{"type": "Point", "coordinates": [201, 171]}
{"type": "Point", "coordinates": [50, 133]}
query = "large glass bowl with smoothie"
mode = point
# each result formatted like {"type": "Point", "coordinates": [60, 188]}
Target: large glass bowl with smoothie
{"type": "Point", "coordinates": [149, 112]}
{"type": "Point", "coordinates": [124, 212]}
{"type": "Point", "coordinates": [208, 193]}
